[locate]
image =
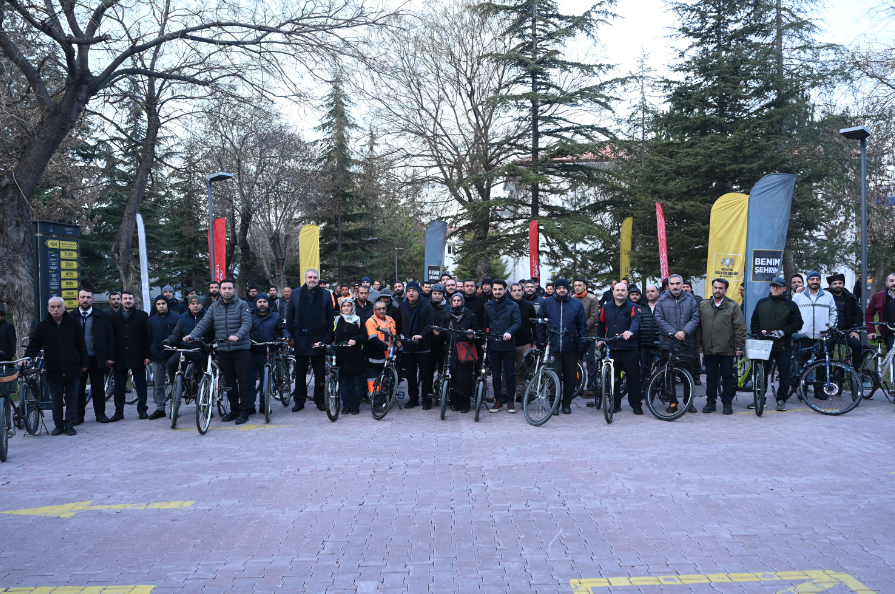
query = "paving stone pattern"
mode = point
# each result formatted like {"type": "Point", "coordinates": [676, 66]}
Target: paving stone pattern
{"type": "Point", "coordinates": [414, 504]}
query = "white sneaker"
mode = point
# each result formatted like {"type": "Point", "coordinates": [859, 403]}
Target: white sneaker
{"type": "Point", "coordinates": [781, 405]}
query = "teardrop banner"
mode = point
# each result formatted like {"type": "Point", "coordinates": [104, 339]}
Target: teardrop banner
{"type": "Point", "coordinates": [219, 236]}
{"type": "Point", "coordinates": [727, 243]}
{"type": "Point", "coordinates": [308, 249]}
{"type": "Point", "coordinates": [625, 251]}
{"type": "Point", "coordinates": [534, 262]}
{"type": "Point", "coordinates": [436, 241]}
{"type": "Point", "coordinates": [663, 242]}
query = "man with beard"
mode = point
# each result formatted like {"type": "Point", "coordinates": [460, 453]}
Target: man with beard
{"type": "Point", "coordinates": [524, 335]}
{"type": "Point", "coordinates": [486, 289]}
{"type": "Point", "coordinates": [174, 306]}
{"type": "Point", "coordinates": [274, 302]}
{"type": "Point", "coordinates": [392, 310]}
{"type": "Point", "coordinates": [592, 315]}
{"type": "Point", "coordinates": [677, 313]}
{"type": "Point", "coordinates": [131, 329]}
{"type": "Point", "coordinates": [474, 303]}
{"type": "Point", "coordinates": [848, 313]}
{"type": "Point", "coordinates": [251, 295]}
{"type": "Point", "coordinates": [450, 287]}
{"type": "Point", "coordinates": [372, 292]}
{"type": "Point", "coordinates": [308, 319]}
{"type": "Point", "coordinates": [363, 307]}
{"type": "Point", "coordinates": [796, 285]}
{"type": "Point", "coordinates": [882, 306]}
{"type": "Point", "coordinates": [214, 293]}
{"type": "Point", "coordinates": [503, 319]}
{"type": "Point", "coordinates": [531, 295]}
{"type": "Point", "coordinates": [565, 314]}
{"type": "Point", "coordinates": [426, 291]}
{"type": "Point", "coordinates": [283, 302]}
{"type": "Point", "coordinates": [416, 324]}
{"type": "Point", "coordinates": [114, 301]}
{"type": "Point", "coordinates": [267, 326]}
{"type": "Point", "coordinates": [398, 293]}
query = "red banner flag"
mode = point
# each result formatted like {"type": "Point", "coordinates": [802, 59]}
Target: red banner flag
{"type": "Point", "coordinates": [220, 249]}
{"type": "Point", "coordinates": [663, 243]}
{"type": "Point", "coordinates": [533, 250]}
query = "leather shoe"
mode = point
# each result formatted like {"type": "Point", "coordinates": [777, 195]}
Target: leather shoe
{"type": "Point", "coordinates": [158, 414]}
{"type": "Point", "coordinates": [427, 404]}
{"type": "Point", "coordinates": [78, 421]}
{"type": "Point", "coordinates": [728, 409]}
{"type": "Point", "coordinates": [298, 407]}
{"type": "Point", "coordinates": [103, 419]}
{"type": "Point", "coordinates": [692, 409]}
{"type": "Point", "coordinates": [637, 411]}
{"type": "Point", "coordinates": [412, 404]}
{"type": "Point", "coordinates": [709, 407]}
{"type": "Point", "coordinates": [230, 416]}
{"type": "Point", "coordinates": [116, 417]}
{"type": "Point", "coordinates": [143, 416]}
{"type": "Point", "coordinates": [566, 410]}
{"type": "Point", "coordinates": [242, 419]}
{"type": "Point", "coordinates": [57, 431]}
{"type": "Point", "coordinates": [69, 430]}
{"type": "Point", "coordinates": [616, 409]}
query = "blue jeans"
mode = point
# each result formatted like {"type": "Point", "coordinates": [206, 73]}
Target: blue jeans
{"type": "Point", "coordinates": [503, 362]}
{"type": "Point", "coordinates": [352, 387]}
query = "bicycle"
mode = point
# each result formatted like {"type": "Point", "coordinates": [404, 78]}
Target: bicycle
{"type": "Point", "coordinates": [443, 381]}
{"type": "Point", "coordinates": [269, 385]}
{"type": "Point", "coordinates": [385, 386]}
{"type": "Point", "coordinates": [607, 377]}
{"type": "Point", "coordinates": [541, 397]}
{"type": "Point", "coordinates": [284, 373]}
{"type": "Point", "coordinates": [184, 381]}
{"type": "Point", "coordinates": [758, 351]}
{"type": "Point", "coordinates": [841, 389]}
{"type": "Point", "coordinates": [331, 395]}
{"type": "Point", "coordinates": [877, 368]}
{"type": "Point", "coordinates": [482, 373]}
{"type": "Point", "coordinates": [671, 388]}
{"type": "Point", "coordinates": [211, 391]}
{"type": "Point", "coordinates": [30, 414]}
{"type": "Point", "coordinates": [9, 415]}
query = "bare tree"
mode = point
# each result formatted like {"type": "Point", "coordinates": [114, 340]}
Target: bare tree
{"type": "Point", "coordinates": [103, 41]}
{"type": "Point", "coordinates": [433, 107]}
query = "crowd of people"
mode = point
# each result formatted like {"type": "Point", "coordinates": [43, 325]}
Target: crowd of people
{"type": "Point", "coordinates": [426, 320]}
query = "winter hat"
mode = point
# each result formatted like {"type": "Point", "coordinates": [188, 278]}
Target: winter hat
{"type": "Point", "coordinates": [813, 273]}
{"type": "Point", "coordinates": [561, 282]}
{"type": "Point", "coordinates": [194, 298]}
{"type": "Point", "coordinates": [167, 288]}
{"type": "Point", "coordinates": [161, 298]}
{"type": "Point", "coordinates": [412, 285]}
{"type": "Point", "coordinates": [835, 277]}
{"type": "Point", "coordinates": [264, 296]}
{"type": "Point", "coordinates": [634, 289]}
{"type": "Point", "coordinates": [366, 279]}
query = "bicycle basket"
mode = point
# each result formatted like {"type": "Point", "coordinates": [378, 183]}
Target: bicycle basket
{"type": "Point", "coordinates": [682, 354]}
{"type": "Point", "coordinates": [759, 349]}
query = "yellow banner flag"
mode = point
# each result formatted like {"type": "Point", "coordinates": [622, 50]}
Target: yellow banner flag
{"type": "Point", "coordinates": [727, 243]}
{"type": "Point", "coordinates": [308, 249]}
{"type": "Point", "coordinates": [627, 227]}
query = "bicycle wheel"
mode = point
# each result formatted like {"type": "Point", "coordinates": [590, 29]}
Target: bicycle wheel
{"type": "Point", "coordinates": [130, 393]}
{"type": "Point", "coordinates": [4, 427]}
{"type": "Point", "coordinates": [332, 397]}
{"type": "Point", "coordinates": [110, 385]}
{"type": "Point", "coordinates": [541, 395]}
{"type": "Point", "coordinates": [840, 392]}
{"type": "Point", "coordinates": [384, 388]}
{"type": "Point", "coordinates": [580, 379]}
{"type": "Point", "coordinates": [444, 394]}
{"type": "Point", "coordinates": [481, 393]}
{"type": "Point", "coordinates": [670, 385]}
{"type": "Point", "coordinates": [608, 396]}
{"type": "Point", "coordinates": [283, 377]}
{"type": "Point", "coordinates": [176, 395]}
{"type": "Point", "coordinates": [30, 409]}
{"type": "Point", "coordinates": [760, 387]}
{"type": "Point", "coordinates": [222, 399]}
{"type": "Point", "coordinates": [203, 405]}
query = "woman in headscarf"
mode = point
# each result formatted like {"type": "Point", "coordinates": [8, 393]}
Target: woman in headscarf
{"type": "Point", "coordinates": [352, 365]}
{"type": "Point", "coordinates": [461, 318]}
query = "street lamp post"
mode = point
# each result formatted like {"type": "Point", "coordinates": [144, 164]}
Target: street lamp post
{"type": "Point", "coordinates": [861, 133]}
{"type": "Point", "coordinates": [396, 262]}
{"type": "Point", "coordinates": [209, 179]}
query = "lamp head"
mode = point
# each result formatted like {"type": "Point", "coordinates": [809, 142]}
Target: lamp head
{"type": "Point", "coordinates": [856, 133]}
{"type": "Point", "coordinates": [220, 176]}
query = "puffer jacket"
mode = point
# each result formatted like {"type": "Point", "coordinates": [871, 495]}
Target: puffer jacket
{"type": "Point", "coordinates": [566, 313]}
{"type": "Point", "coordinates": [160, 328]}
{"type": "Point", "coordinates": [649, 328]}
{"type": "Point", "coordinates": [674, 314]}
{"type": "Point", "coordinates": [502, 320]}
{"type": "Point", "coordinates": [722, 329]}
{"type": "Point", "coordinates": [233, 319]}
{"type": "Point", "coordinates": [185, 325]}
{"type": "Point", "coordinates": [818, 312]}
{"type": "Point", "coordinates": [266, 328]}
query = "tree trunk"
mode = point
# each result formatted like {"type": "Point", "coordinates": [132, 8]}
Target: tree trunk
{"type": "Point", "coordinates": [247, 259]}
{"type": "Point", "coordinates": [17, 272]}
{"type": "Point", "coordinates": [122, 247]}
{"type": "Point", "coordinates": [483, 266]}
{"type": "Point", "coordinates": [789, 265]}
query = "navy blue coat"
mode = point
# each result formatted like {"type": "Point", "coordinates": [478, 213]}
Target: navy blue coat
{"type": "Point", "coordinates": [267, 328]}
{"type": "Point", "coordinates": [618, 319]}
{"type": "Point", "coordinates": [308, 319]}
{"type": "Point", "coordinates": [498, 323]}
{"type": "Point", "coordinates": [566, 313]}
{"type": "Point", "coordinates": [160, 328]}
{"type": "Point", "coordinates": [185, 325]}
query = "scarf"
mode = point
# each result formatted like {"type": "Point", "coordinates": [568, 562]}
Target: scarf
{"type": "Point", "coordinates": [457, 312]}
{"type": "Point", "coordinates": [500, 304]}
{"type": "Point", "coordinates": [309, 313]}
{"type": "Point", "coordinates": [351, 318]}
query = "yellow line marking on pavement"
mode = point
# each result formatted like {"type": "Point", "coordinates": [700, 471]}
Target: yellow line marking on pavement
{"type": "Point", "coordinates": [237, 427]}
{"type": "Point", "coordinates": [67, 510]}
{"type": "Point", "coordinates": [81, 590]}
{"type": "Point", "coordinates": [767, 411]}
{"type": "Point", "coordinates": [817, 581]}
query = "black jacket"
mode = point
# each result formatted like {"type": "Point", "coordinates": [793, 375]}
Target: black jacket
{"type": "Point", "coordinates": [851, 315]}
{"type": "Point", "coordinates": [416, 321]}
{"type": "Point", "coordinates": [103, 335]}
{"type": "Point", "coordinates": [649, 329]}
{"type": "Point", "coordinates": [777, 314]}
{"type": "Point", "coordinates": [500, 321]}
{"type": "Point", "coordinates": [476, 305]}
{"type": "Point", "coordinates": [351, 360]}
{"type": "Point", "coordinates": [7, 341]}
{"type": "Point", "coordinates": [308, 318]}
{"type": "Point", "coordinates": [160, 328]}
{"type": "Point", "coordinates": [208, 301]}
{"type": "Point", "coordinates": [174, 306]}
{"type": "Point", "coordinates": [526, 313]}
{"type": "Point", "coordinates": [131, 339]}
{"type": "Point", "coordinates": [364, 313]}
{"type": "Point", "coordinates": [65, 353]}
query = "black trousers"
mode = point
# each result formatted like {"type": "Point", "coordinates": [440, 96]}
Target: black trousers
{"type": "Point", "coordinates": [647, 357]}
{"type": "Point", "coordinates": [235, 368]}
{"type": "Point", "coordinates": [503, 363]}
{"type": "Point", "coordinates": [96, 372]}
{"type": "Point", "coordinates": [65, 393]}
{"type": "Point", "coordinates": [719, 366]}
{"type": "Point", "coordinates": [627, 360]}
{"type": "Point", "coordinates": [139, 374]}
{"type": "Point", "coordinates": [565, 365]}
{"type": "Point", "coordinates": [318, 364]}
{"type": "Point", "coordinates": [411, 362]}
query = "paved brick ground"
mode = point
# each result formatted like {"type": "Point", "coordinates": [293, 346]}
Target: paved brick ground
{"type": "Point", "coordinates": [413, 504]}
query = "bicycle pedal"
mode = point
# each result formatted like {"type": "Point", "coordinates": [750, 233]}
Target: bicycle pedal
{"type": "Point", "coordinates": [401, 395]}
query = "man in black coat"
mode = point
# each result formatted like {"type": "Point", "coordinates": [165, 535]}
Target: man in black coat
{"type": "Point", "coordinates": [416, 324]}
{"type": "Point", "coordinates": [523, 336]}
{"type": "Point", "coordinates": [131, 329]}
{"type": "Point", "coordinates": [160, 327]}
{"type": "Point", "coordinates": [65, 358]}
{"type": "Point", "coordinates": [502, 322]}
{"type": "Point", "coordinates": [474, 303]}
{"type": "Point", "coordinates": [7, 338]}
{"type": "Point", "coordinates": [309, 316]}
{"type": "Point", "coordinates": [96, 326]}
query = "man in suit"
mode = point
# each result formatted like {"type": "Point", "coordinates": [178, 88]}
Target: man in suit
{"type": "Point", "coordinates": [131, 329]}
{"type": "Point", "coordinates": [96, 325]}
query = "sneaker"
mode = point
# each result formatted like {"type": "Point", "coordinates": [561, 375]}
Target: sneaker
{"type": "Point", "coordinates": [751, 406]}
{"type": "Point", "coordinates": [511, 407]}
{"type": "Point", "coordinates": [672, 408]}
{"type": "Point", "coordinates": [427, 404]}
{"type": "Point", "coordinates": [70, 430]}
{"type": "Point", "coordinates": [637, 411]}
{"type": "Point", "coordinates": [709, 407]}
{"type": "Point", "coordinates": [158, 414]}
{"type": "Point", "coordinates": [496, 408]}
{"type": "Point", "coordinates": [781, 405]}
{"type": "Point", "coordinates": [728, 409]}
{"type": "Point", "coordinates": [692, 408]}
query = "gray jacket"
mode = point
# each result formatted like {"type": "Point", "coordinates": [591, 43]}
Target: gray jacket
{"type": "Point", "coordinates": [227, 320]}
{"type": "Point", "coordinates": [676, 314]}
